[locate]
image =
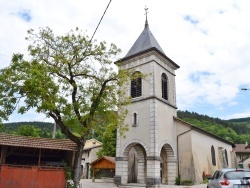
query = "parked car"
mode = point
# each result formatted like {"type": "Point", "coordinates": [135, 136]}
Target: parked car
{"type": "Point", "coordinates": [230, 178]}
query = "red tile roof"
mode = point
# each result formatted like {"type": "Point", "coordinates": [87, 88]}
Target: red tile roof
{"type": "Point", "coordinates": [110, 159]}
{"type": "Point", "coordinates": [34, 142]}
{"type": "Point", "coordinates": [240, 148]}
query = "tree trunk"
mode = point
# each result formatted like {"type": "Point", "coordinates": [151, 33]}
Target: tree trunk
{"type": "Point", "coordinates": [77, 163]}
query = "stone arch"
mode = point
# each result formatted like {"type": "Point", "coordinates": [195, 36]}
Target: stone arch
{"type": "Point", "coordinates": [132, 143]}
{"type": "Point", "coordinates": [135, 153]}
{"type": "Point", "coordinates": [168, 164]}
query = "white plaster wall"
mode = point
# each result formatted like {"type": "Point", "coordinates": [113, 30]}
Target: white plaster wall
{"type": "Point", "coordinates": [240, 156]}
{"type": "Point", "coordinates": [195, 153]}
{"type": "Point", "coordinates": [166, 126]}
{"type": "Point", "coordinates": [246, 164]}
{"type": "Point", "coordinates": [171, 82]}
{"type": "Point", "coordinates": [205, 142]}
{"type": "Point", "coordinates": [142, 131]}
{"type": "Point", "coordinates": [89, 158]}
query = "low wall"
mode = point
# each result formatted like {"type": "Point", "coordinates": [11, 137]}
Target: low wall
{"type": "Point", "coordinates": [31, 177]}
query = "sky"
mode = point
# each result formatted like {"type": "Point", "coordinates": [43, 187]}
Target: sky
{"type": "Point", "coordinates": [208, 39]}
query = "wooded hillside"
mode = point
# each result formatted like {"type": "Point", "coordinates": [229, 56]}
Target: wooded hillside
{"type": "Point", "coordinates": [234, 130]}
{"type": "Point", "coordinates": [34, 128]}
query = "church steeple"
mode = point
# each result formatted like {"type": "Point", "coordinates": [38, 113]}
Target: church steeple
{"type": "Point", "coordinates": [145, 41]}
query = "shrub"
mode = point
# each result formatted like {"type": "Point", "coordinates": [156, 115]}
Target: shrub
{"type": "Point", "coordinates": [187, 182]}
{"type": "Point", "coordinates": [177, 181]}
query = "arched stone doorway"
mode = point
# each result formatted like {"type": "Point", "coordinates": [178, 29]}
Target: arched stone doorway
{"type": "Point", "coordinates": [132, 166]}
{"type": "Point", "coordinates": [163, 167]}
{"type": "Point", "coordinates": [168, 166]}
{"type": "Point", "coordinates": [136, 156]}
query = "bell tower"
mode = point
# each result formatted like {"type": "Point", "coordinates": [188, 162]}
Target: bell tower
{"type": "Point", "coordinates": [148, 153]}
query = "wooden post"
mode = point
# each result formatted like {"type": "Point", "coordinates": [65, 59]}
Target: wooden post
{"type": "Point", "coordinates": [3, 154]}
{"type": "Point", "coordinates": [39, 159]}
{"type": "Point", "coordinates": [93, 176]}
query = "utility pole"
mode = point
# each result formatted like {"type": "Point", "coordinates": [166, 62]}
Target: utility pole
{"type": "Point", "coordinates": [54, 131]}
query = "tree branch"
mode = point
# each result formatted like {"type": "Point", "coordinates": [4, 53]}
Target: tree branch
{"type": "Point", "coordinates": [57, 118]}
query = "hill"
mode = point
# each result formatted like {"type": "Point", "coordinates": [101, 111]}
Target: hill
{"type": "Point", "coordinates": [43, 129]}
{"type": "Point", "coordinates": [234, 130]}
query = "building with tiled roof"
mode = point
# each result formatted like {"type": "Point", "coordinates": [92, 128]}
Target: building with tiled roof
{"type": "Point", "coordinates": [35, 142]}
{"type": "Point", "coordinates": [92, 146]}
{"type": "Point", "coordinates": [25, 150]}
{"type": "Point", "coordinates": [242, 152]}
{"type": "Point", "coordinates": [104, 166]}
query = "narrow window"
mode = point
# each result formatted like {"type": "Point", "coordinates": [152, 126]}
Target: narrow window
{"type": "Point", "coordinates": [134, 120]}
{"type": "Point", "coordinates": [226, 158]}
{"type": "Point", "coordinates": [136, 85]}
{"type": "Point", "coordinates": [164, 86]}
{"type": "Point", "coordinates": [213, 156]}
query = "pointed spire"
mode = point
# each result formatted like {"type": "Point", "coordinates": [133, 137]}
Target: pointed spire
{"type": "Point", "coordinates": [145, 41]}
{"type": "Point", "coordinates": [146, 13]}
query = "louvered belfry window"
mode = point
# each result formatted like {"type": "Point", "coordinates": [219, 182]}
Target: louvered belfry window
{"type": "Point", "coordinates": [136, 85]}
{"type": "Point", "coordinates": [164, 86]}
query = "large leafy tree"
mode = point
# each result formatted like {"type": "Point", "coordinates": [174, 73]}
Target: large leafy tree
{"type": "Point", "coordinates": [68, 78]}
{"type": "Point", "coordinates": [29, 130]}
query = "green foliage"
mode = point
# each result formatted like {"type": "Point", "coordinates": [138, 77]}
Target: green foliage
{"type": "Point", "coordinates": [177, 181]}
{"type": "Point", "coordinates": [45, 129]}
{"type": "Point", "coordinates": [187, 182]}
{"type": "Point", "coordinates": [205, 181]}
{"type": "Point", "coordinates": [108, 142]}
{"type": "Point", "coordinates": [237, 133]}
{"type": "Point", "coordinates": [46, 126]}
{"type": "Point", "coordinates": [1, 127]}
{"type": "Point", "coordinates": [68, 172]}
{"type": "Point", "coordinates": [240, 120]}
{"type": "Point", "coordinates": [69, 176]}
{"type": "Point", "coordinates": [69, 79]}
{"type": "Point", "coordinates": [29, 130]}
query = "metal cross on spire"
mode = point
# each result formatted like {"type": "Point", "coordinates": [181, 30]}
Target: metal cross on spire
{"type": "Point", "coordinates": [146, 13]}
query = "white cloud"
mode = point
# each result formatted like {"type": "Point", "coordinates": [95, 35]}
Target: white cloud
{"type": "Point", "coordinates": [213, 39]}
{"type": "Point", "coordinates": [237, 115]}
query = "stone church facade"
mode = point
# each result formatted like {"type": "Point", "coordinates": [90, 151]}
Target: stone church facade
{"type": "Point", "coordinates": [159, 147]}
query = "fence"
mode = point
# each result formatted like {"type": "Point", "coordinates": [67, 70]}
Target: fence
{"type": "Point", "coordinates": [31, 177]}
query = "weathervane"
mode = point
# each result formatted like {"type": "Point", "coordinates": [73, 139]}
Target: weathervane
{"type": "Point", "coordinates": [146, 13]}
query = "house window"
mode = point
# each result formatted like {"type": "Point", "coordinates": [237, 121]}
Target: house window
{"type": "Point", "coordinates": [213, 156]}
{"type": "Point", "coordinates": [164, 86]}
{"type": "Point", "coordinates": [136, 85]}
{"type": "Point", "coordinates": [135, 119]}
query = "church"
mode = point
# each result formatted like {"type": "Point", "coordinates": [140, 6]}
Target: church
{"type": "Point", "coordinates": [160, 148]}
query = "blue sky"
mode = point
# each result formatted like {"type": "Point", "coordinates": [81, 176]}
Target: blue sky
{"type": "Point", "coordinates": [208, 39]}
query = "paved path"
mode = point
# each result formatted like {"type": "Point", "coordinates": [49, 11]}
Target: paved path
{"type": "Point", "coordinates": [87, 183]}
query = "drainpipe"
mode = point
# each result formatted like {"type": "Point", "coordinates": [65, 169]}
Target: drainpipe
{"type": "Point", "coordinates": [178, 148]}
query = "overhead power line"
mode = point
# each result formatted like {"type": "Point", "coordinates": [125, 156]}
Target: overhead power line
{"type": "Point", "coordinates": [100, 21]}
